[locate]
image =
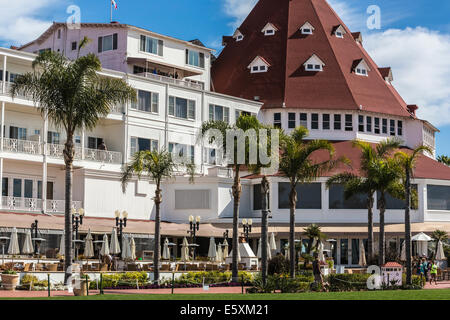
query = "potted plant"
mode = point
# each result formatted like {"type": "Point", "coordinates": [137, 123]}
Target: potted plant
{"type": "Point", "coordinates": [10, 279]}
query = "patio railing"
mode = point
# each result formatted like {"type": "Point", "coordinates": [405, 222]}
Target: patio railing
{"type": "Point", "coordinates": [184, 83]}
{"type": "Point", "coordinates": [21, 146]}
{"type": "Point", "coordinates": [35, 205]}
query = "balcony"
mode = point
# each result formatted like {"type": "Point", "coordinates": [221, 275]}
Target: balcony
{"type": "Point", "coordinates": [56, 151]}
{"type": "Point", "coordinates": [184, 83]}
{"type": "Point", "coordinates": [35, 205]}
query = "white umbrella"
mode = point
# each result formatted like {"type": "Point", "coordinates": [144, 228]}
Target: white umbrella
{"type": "Point", "coordinates": [114, 247]}
{"type": "Point", "coordinates": [166, 250]}
{"type": "Point", "coordinates": [225, 249]}
{"type": "Point", "coordinates": [212, 252]}
{"type": "Point", "coordinates": [88, 246]}
{"type": "Point", "coordinates": [132, 249]}
{"type": "Point", "coordinates": [27, 247]}
{"type": "Point", "coordinates": [13, 248]}
{"type": "Point", "coordinates": [125, 248]}
{"type": "Point", "coordinates": [362, 254]}
{"type": "Point", "coordinates": [62, 245]}
{"type": "Point", "coordinates": [273, 243]}
{"type": "Point", "coordinates": [219, 256]}
{"type": "Point", "coordinates": [403, 253]}
{"type": "Point", "coordinates": [321, 255]}
{"type": "Point", "coordinates": [421, 237]}
{"type": "Point", "coordinates": [440, 255]}
{"type": "Point", "coordinates": [422, 244]}
{"type": "Point", "coordinates": [105, 246]}
{"type": "Point", "coordinates": [185, 250]}
{"type": "Point", "coordinates": [259, 253]}
{"type": "Point", "coordinates": [287, 252]}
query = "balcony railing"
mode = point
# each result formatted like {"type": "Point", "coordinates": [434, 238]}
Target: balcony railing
{"type": "Point", "coordinates": [35, 205]}
{"type": "Point", "coordinates": [56, 151]}
{"type": "Point", "coordinates": [184, 83]}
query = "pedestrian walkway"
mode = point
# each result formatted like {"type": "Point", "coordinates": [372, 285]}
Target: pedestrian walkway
{"type": "Point", "coordinates": [440, 285]}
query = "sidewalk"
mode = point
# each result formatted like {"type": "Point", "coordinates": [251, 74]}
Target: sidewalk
{"type": "Point", "coordinates": [440, 285]}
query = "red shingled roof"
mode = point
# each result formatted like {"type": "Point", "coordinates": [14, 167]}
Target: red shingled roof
{"type": "Point", "coordinates": [336, 88]}
{"type": "Point", "coordinates": [392, 265]}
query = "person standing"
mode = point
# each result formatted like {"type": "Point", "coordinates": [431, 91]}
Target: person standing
{"type": "Point", "coordinates": [433, 272]}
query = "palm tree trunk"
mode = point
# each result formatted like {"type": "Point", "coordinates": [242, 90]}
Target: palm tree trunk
{"type": "Point", "coordinates": [264, 227]}
{"type": "Point", "coordinates": [68, 160]}
{"type": "Point", "coordinates": [370, 250]}
{"type": "Point", "coordinates": [408, 228]}
{"type": "Point", "coordinates": [237, 190]}
{"type": "Point", "coordinates": [158, 200]}
{"type": "Point", "coordinates": [292, 205]}
{"type": "Point", "coordinates": [382, 240]}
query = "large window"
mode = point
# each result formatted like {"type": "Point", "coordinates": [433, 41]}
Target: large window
{"type": "Point", "coordinates": [438, 197]}
{"type": "Point", "coordinates": [384, 127]}
{"type": "Point", "coordinates": [400, 127]}
{"type": "Point", "coordinates": [361, 123]}
{"type": "Point", "coordinates": [142, 144]}
{"type": "Point", "coordinates": [392, 127]}
{"type": "Point", "coordinates": [337, 122]}
{"type": "Point", "coordinates": [219, 113]}
{"type": "Point", "coordinates": [5, 184]}
{"type": "Point", "coordinates": [107, 43]}
{"type": "Point", "coordinates": [53, 137]}
{"type": "Point", "coordinates": [355, 251]}
{"type": "Point", "coordinates": [309, 195]}
{"type": "Point", "coordinates": [277, 120]}
{"type": "Point", "coordinates": [348, 122]}
{"type": "Point", "coordinates": [181, 108]}
{"type": "Point", "coordinates": [147, 101]}
{"type": "Point", "coordinates": [398, 204]}
{"type": "Point", "coordinates": [338, 201]}
{"type": "Point", "coordinates": [377, 125]}
{"type": "Point", "coordinates": [195, 58]}
{"type": "Point", "coordinates": [325, 122]}
{"type": "Point", "coordinates": [369, 124]}
{"type": "Point", "coordinates": [183, 151]}
{"type": "Point", "coordinates": [192, 199]}
{"type": "Point", "coordinates": [315, 121]}
{"type": "Point", "coordinates": [304, 120]}
{"type": "Point", "coordinates": [152, 45]}
{"type": "Point", "coordinates": [257, 197]}
{"type": "Point", "coordinates": [344, 251]}
{"type": "Point", "coordinates": [291, 120]}
{"type": "Point", "coordinates": [17, 133]}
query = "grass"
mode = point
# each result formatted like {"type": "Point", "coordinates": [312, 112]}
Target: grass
{"type": "Point", "coordinates": [437, 294]}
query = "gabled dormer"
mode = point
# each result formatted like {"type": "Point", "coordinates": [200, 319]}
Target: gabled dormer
{"type": "Point", "coordinates": [314, 64]}
{"type": "Point", "coordinates": [259, 65]}
{"type": "Point", "coordinates": [269, 29]}
{"type": "Point", "coordinates": [361, 68]}
{"type": "Point", "coordinates": [358, 37]}
{"type": "Point", "coordinates": [238, 36]}
{"type": "Point", "coordinates": [307, 28]}
{"type": "Point", "coordinates": [339, 31]}
{"type": "Point", "coordinates": [387, 75]}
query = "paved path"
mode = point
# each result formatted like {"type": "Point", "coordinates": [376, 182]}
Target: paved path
{"type": "Point", "coordinates": [440, 285]}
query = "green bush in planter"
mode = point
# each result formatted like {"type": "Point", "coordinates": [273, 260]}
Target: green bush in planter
{"type": "Point", "coordinates": [9, 272]}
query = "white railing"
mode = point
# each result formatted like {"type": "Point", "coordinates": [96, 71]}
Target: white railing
{"type": "Point", "coordinates": [7, 91]}
{"type": "Point", "coordinates": [55, 150]}
{"type": "Point", "coordinates": [103, 156]}
{"type": "Point", "coordinates": [35, 205]}
{"type": "Point", "coordinates": [21, 146]}
{"type": "Point", "coordinates": [58, 206]}
{"type": "Point", "coordinates": [117, 109]}
{"type": "Point", "coordinates": [184, 83]}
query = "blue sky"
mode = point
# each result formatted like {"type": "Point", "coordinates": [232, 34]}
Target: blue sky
{"type": "Point", "coordinates": [414, 38]}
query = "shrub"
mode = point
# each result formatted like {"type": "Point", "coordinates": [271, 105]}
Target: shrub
{"type": "Point", "coordinates": [278, 265]}
{"type": "Point", "coordinates": [30, 280]}
{"type": "Point", "coordinates": [280, 283]}
{"type": "Point", "coordinates": [348, 282]}
{"type": "Point", "coordinates": [121, 279]}
{"type": "Point", "coordinates": [210, 277]}
{"type": "Point", "coordinates": [417, 283]}
{"type": "Point", "coordinates": [9, 271]}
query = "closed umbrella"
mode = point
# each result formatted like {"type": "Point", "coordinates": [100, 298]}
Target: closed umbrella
{"type": "Point", "coordinates": [212, 252]}
{"type": "Point", "coordinates": [13, 248]}
{"type": "Point", "coordinates": [114, 247]}
{"type": "Point", "coordinates": [225, 249]}
{"type": "Point", "coordinates": [125, 248]}
{"type": "Point", "coordinates": [185, 250]}
{"type": "Point", "coordinates": [362, 254]}
{"type": "Point", "coordinates": [62, 247]}
{"type": "Point", "coordinates": [273, 243]}
{"type": "Point", "coordinates": [259, 251]}
{"type": "Point", "coordinates": [321, 255]}
{"type": "Point", "coordinates": [287, 252]}
{"type": "Point", "coordinates": [166, 250]}
{"type": "Point", "coordinates": [104, 251]}
{"type": "Point", "coordinates": [27, 247]}
{"type": "Point", "coordinates": [88, 246]}
{"type": "Point", "coordinates": [440, 255]}
{"type": "Point", "coordinates": [219, 256]}
{"type": "Point", "coordinates": [403, 253]}
{"type": "Point", "coordinates": [132, 249]}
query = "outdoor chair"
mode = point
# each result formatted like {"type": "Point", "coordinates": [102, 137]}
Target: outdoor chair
{"type": "Point", "coordinates": [241, 266]}
{"type": "Point", "coordinates": [212, 267]}
{"type": "Point", "coordinates": [39, 267]}
{"type": "Point", "coordinates": [28, 267]}
{"type": "Point", "coordinates": [132, 267]}
{"type": "Point", "coordinates": [104, 267]}
{"type": "Point", "coordinates": [165, 267]}
{"type": "Point", "coordinates": [52, 267]}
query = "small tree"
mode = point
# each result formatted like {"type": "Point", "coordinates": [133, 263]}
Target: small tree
{"type": "Point", "coordinates": [444, 159]}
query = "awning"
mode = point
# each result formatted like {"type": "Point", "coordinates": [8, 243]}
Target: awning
{"type": "Point", "coordinates": [188, 72]}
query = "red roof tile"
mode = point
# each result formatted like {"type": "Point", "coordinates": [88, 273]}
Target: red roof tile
{"type": "Point", "coordinates": [336, 88]}
{"type": "Point", "coordinates": [392, 265]}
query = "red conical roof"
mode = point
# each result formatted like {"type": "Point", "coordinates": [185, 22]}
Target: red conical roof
{"type": "Point", "coordinates": [337, 87]}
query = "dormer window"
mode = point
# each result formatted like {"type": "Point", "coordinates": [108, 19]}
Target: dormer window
{"type": "Point", "coordinates": [339, 31]}
{"type": "Point", "coordinates": [307, 28]}
{"type": "Point", "coordinates": [314, 64]}
{"type": "Point", "coordinates": [259, 65]}
{"type": "Point", "coordinates": [238, 36]}
{"type": "Point", "coordinates": [361, 67]}
{"type": "Point", "coordinates": [269, 29]}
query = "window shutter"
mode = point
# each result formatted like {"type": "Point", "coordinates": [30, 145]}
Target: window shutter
{"type": "Point", "coordinates": [142, 43]}
{"type": "Point", "coordinates": [187, 56]}
{"type": "Point", "coordinates": [202, 59]}
{"type": "Point", "coordinates": [115, 41]}
{"type": "Point", "coordinates": [160, 48]}
{"type": "Point", "coordinates": [100, 44]}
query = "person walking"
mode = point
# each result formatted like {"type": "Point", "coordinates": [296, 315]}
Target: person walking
{"type": "Point", "coordinates": [433, 272]}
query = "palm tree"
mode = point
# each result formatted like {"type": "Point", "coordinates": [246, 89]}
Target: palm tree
{"type": "Point", "coordinates": [157, 166]}
{"type": "Point", "coordinates": [354, 184]}
{"type": "Point", "coordinates": [408, 163]}
{"type": "Point", "coordinates": [73, 96]}
{"type": "Point", "coordinates": [444, 159]}
{"type": "Point", "coordinates": [313, 232]}
{"type": "Point", "coordinates": [296, 165]}
{"type": "Point", "coordinates": [244, 123]}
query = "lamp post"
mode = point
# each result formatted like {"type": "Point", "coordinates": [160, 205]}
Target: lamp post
{"type": "Point", "coordinates": [77, 221]}
{"type": "Point", "coordinates": [34, 229]}
{"type": "Point", "coordinates": [194, 226]}
{"type": "Point", "coordinates": [121, 223]}
{"type": "Point", "coordinates": [247, 224]}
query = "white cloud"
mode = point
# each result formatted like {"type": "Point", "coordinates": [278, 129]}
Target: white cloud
{"type": "Point", "coordinates": [238, 10]}
{"type": "Point", "coordinates": [420, 59]}
{"type": "Point", "coordinates": [351, 15]}
{"type": "Point", "coordinates": [20, 22]}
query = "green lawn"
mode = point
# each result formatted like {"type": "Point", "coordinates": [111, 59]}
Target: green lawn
{"type": "Point", "coordinates": [442, 294]}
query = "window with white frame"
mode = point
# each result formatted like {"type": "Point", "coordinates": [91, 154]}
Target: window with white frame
{"type": "Point", "coordinates": [384, 126]}
{"type": "Point", "coordinates": [314, 64]}
{"type": "Point", "coordinates": [337, 122]}
{"type": "Point", "coordinates": [258, 65]}
{"type": "Point", "coordinates": [209, 156]}
{"type": "Point", "coordinates": [369, 124]}
{"type": "Point", "coordinates": [142, 144]}
{"type": "Point", "coordinates": [362, 68]}
{"type": "Point", "coordinates": [377, 126]}
{"type": "Point", "coordinates": [53, 137]}
{"type": "Point", "coordinates": [182, 151]}
{"type": "Point", "coordinates": [339, 31]}
{"type": "Point", "coordinates": [361, 123]}
{"type": "Point", "coordinates": [269, 29]}
{"type": "Point", "coordinates": [152, 45]}
{"type": "Point", "coordinates": [399, 127]}
{"type": "Point", "coordinates": [307, 28]}
{"type": "Point", "coordinates": [195, 58]}
{"type": "Point", "coordinates": [315, 121]}
{"type": "Point", "coordinates": [277, 120]}
{"type": "Point", "coordinates": [238, 36]}
{"type": "Point", "coordinates": [181, 108]}
{"type": "Point", "coordinates": [291, 120]}
{"type": "Point", "coordinates": [325, 121]}
{"type": "Point", "coordinates": [147, 101]}
{"type": "Point", "coordinates": [107, 43]}
{"type": "Point", "coordinates": [348, 122]}
{"type": "Point", "coordinates": [239, 113]}
{"type": "Point", "coordinates": [219, 113]}
{"type": "Point", "coordinates": [392, 127]}
{"type": "Point", "coordinates": [17, 133]}
{"type": "Point", "coordinates": [304, 120]}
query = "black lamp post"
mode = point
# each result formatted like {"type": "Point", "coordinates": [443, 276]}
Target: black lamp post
{"type": "Point", "coordinates": [247, 224]}
{"type": "Point", "coordinates": [34, 230]}
{"type": "Point", "coordinates": [77, 221]}
{"type": "Point", "coordinates": [121, 223]}
{"type": "Point", "coordinates": [194, 226]}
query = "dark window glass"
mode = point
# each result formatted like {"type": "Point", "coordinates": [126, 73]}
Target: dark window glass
{"type": "Point", "coordinates": [74, 45]}
{"type": "Point", "coordinates": [348, 122]}
{"type": "Point", "coordinates": [397, 204]}
{"type": "Point", "coordinates": [377, 125]}
{"type": "Point", "coordinates": [338, 201]}
{"type": "Point", "coordinates": [361, 123]}
{"type": "Point", "coordinates": [277, 120]}
{"type": "Point", "coordinates": [400, 128]}
{"type": "Point", "coordinates": [39, 190]}
{"type": "Point", "coordinates": [304, 120]}
{"type": "Point", "coordinates": [5, 187]}
{"type": "Point", "coordinates": [355, 251]}
{"type": "Point", "coordinates": [17, 188]}
{"type": "Point", "coordinates": [309, 195]}
{"type": "Point", "coordinates": [291, 122]}
{"type": "Point", "coordinates": [28, 186]}
{"type": "Point", "coordinates": [315, 121]}
{"type": "Point", "coordinates": [49, 190]}
{"type": "Point", "coordinates": [392, 127]}
{"type": "Point", "coordinates": [337, 122]}
{"type": "Point", "coordinates": [344, 251]}
{"type": "Point", "coordinates": [438, 197]}
{"type": "Point", "coordinates": [369, 124]}
{"type": "Point", "coordinates": [257, 198]}
{"type": "Point", "coordinates": [326, 122]}
{"type": "Point", "coordinates": [384, 126]}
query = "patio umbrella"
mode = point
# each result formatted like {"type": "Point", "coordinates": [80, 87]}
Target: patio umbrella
{"type": "Point", "coordinates": [125, 248]}
{"type": "Point", "coordinates": [219, 256]}
{"type": "Point", "coordinates": [422, 243]}
{"type": "Point", "coordinates": [166, 250]}
{"type": "Point", "coordinates": [27, 247]}
{"type": "Point", "coordinates": [114, 247]}
{"type": "Point", "coordinates": [440, 251]}
{"type": "Point", "coordinates": [88, 246]}
{"type": "Point", "coordinates": [225, 249]}
{"type": "Point", "coordinates": [105, 246]}
{"type": "Point", "coordinates": [286, 252]}
{"type": "Point", "coordinates": [13, 248]}
{"type": "Point", "coordinates": [212, 252]}
{"type": "Point", "coordinates": [132, 249]}
{"type": "Point", "coordinates": [269, 251]}
{"type": "Point", "coordinates": [403, 253]}
{"type": "Point", "coordinates": [62, 248]}
{"type": "Point", "coordinates": [362, 254]}
{"type": "Point", "coordinates": [321, 255]}
{"type": "Point", "coordinates": [185, 250]}
{"type": "Point", "coordinates": [273, 243]}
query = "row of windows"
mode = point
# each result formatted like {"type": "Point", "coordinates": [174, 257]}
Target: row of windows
{"type": "Point", "coordinates": [25, 188]}
{"type": "Point", "coordinates": [309, 196]}
{"type": "Point", "coordinates": [138, 144]}
{"type": "Point", "coordinates": [314, 121]}
{"type": "Point", "coordinates": [380, 125]}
